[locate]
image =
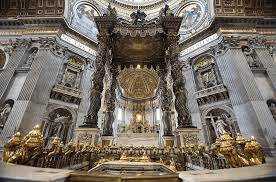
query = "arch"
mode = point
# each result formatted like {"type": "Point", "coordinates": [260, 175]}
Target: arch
{"type": "Point", "coordinates": [222, 107]}
{"type": "Point", "coordinates": [59, 121]}
{"type": "Point", "coordinates": [201, 56]}
{"type": "Point", "coordinates": [60, 111]}
{"type": "Point", "coordinates": [99, 12]}
{"type": "Point", "coordinates": [216, 120]}
{"type": "Point", "coordinates": [3, 59]}
{"type": "Point", "coordinates": [55, 107]}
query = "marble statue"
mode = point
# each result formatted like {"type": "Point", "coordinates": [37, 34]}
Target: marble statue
{"type": "Point", "coordinates": [272, 109]}
{"type": "Point", "coordinates": [220, 126]}
{"type": "Point", "coordinates": [138, 18]}
{"type": "Point", "coordinates": [166, 11]}
{"type": "Point", "coordinates": [111, 11]}
{"type": "Point", "coordinates": [251, 57]}
{"type": "Point", "coordinates": [59, 121]}
{"type": "Point", "coordinates": [31, 57]}
{"type": "Point", "coordinates": [4, 114]}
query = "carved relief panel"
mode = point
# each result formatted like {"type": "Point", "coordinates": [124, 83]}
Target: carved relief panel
{"type": "Point", "coordinates": [58, 123]}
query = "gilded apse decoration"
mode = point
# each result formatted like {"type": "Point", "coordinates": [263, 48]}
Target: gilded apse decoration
{"type": "Point", "coordinates": [138, 83]}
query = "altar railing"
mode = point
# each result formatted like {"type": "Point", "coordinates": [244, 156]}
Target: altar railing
{"type": "Point", "coordinates": [224, 153]}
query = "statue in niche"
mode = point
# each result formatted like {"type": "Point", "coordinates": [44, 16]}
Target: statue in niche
{"type": "Point", "coordinates": [166, 11]}
{"type": "Point", "coordinates": [272, 108]}
{"type": "Point", "coordinates": [220, 126]}
{"type": "Point", "coordinates": [4, 114]}
{"type": "Point", "coordinates": [138, 18]}
{"type": "Point", "coordinates": [206, 73]}
{"type": "Point", "coordinates": [31, 57]}
{"type": "Point", "coordinates": [251, 57]}
{"type": "Point", "coordinates": [59, 122]}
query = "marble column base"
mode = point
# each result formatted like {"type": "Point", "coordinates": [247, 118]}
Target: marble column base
{"type": "Point", "coordinates": [107, 140]}
{"type": "Point", "coordinates": [87, 135]}
{"type": "Point", "coordinates": [187, 136]}
{"type": "Point", "coordinates": [169, 140]}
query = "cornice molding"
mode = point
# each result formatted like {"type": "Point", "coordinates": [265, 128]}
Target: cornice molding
{"type": "Point", "coordinates": [233, 25]}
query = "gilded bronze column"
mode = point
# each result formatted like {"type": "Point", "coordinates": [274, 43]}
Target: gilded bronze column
{"type": "Point", "coordinates": [110, 96]}
{"type": "Point", "coordinates": [91, 120]}
{"type": "Point", "coordinates": [165, 102]}
{"type": "Point", "coordinates": [184, 117]}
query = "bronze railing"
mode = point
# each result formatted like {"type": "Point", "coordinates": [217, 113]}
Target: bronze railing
{"type": "Point", "coordinates": [224, 153]}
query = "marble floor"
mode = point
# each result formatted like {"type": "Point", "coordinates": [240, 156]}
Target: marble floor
{"type": "Point", "coordinates": [264, 172]}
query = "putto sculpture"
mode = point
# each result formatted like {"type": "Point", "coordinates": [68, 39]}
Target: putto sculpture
{"type": "Point", "coordinates": [138, 18]}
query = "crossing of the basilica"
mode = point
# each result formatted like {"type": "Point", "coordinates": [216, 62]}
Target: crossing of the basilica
{"type": "Point", "coordinates": [137, 90]}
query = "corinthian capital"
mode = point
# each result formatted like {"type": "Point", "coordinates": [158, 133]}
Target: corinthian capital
{"type": "Point", "coordinates": [257, 42]}
{"type": "Point", "coordinates": [271, 49]}
{"type": "Point", "coordinates": [53, 45]}
{"type": "Point", "coordinates": [225, 44]}
{"type": "Point", "coordinates": [232, 42]}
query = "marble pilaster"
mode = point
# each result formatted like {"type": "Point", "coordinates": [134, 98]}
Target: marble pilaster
{"type": "Point", "coordinates": [34, 95]}
{"type": "Point", "coordinates": [268, 62]}
{"type": "Point", "coordinates": [37, 87]}
{"type": "Point", "coordinates": [249, 107]}
{"type": "Point", "coordinates": [7, 74]}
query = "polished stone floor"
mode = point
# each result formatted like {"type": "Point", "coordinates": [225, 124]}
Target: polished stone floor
{"type": "Point", "coordinates": [264, 172]}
